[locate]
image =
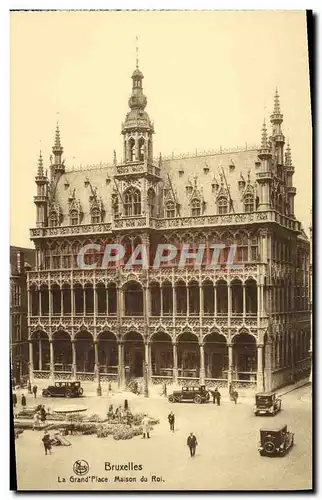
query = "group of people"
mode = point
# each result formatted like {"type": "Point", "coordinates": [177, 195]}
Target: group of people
{"type": "Point", "coordinates": [191, 440]}
{"type": "Point", "coordinates": [121, 413]}
{"type": "Point", "coordinates": [40, 416]}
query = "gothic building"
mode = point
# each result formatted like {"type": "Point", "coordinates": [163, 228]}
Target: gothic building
{"type": "Point", "coordinates": [247, 324]}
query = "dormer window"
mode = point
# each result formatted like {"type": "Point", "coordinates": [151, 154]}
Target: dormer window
{"type": "Point", "coordinates": [53, 220]}
{"type": "Point", "coordinates": [195, 207]}
{"type": "Point", "coordinates": [170, 209]}
{"type": "Point", "coordinates": [249, 203]}
{"type": "Point", "coordinates": [96, 216]}
{"type": "Point", "coordinates": [74, 218]}
{"type": "Point", "coordinates": [222, 204]}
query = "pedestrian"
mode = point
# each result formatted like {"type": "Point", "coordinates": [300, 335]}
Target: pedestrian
{"type": "Point", "coordinates": [29, 388]}
{"type": "Point", "coordinates": [34, 390]}
{"type": "Point", "coordinates": [43, 414]}
{"type": "Point", "coordinates": [126, 405]}
{"type": "Point", "coordinates": [216, 396]}
{"type": "Point", "coordinates": [47, 443]}
{"type": "Point", "coordinates": [23, 401]}
{"type": "Point", "coordinates": [146, 427]}
{"type": "Point", "coordinates": [36, 425]}
{"type": "Point", "coordinates": [110, 414]}
{"type": "Point", "coordinates": [235, 396]}
{"type": "Point", "coordinates": [192, 444]}
{"type": "Point", "coordinates": [14, 399]}
{"type": "Point", "coordinates": [165, 390]}
{"type": "Point", "coordinates": [109, 388]}
{"type": "Point", "coordinates": [171, 419]}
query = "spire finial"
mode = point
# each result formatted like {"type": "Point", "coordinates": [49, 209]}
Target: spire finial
{"type": "Point", "coordinates": [40, 172]}
{"type": "Point", "coordinates": [137, 51]}
{"type": "Point", "coordinates": [264, 144]}
{"type": "Point", "coordinates": [276, 102]}
{"type": "Point", "coordinates": [288, 155]}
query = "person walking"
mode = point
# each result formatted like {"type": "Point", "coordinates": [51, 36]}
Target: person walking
{"type": "Point", "coordinates": [146, 427]}
{"type": "Point", "coordinates": [36, 424]}
{"type": "Point", "coordinates": [14, 399]}
{"type": "Point", "coordinates": [192, 444]}
{"type": "Point", "coordinates": [217, 396]}
{"type": "Point", "coordinates": [23, 401]}
{"type": "Point", "coordinates": [34, 390]}
{"type": "Point", "coordinates": [126, 405]}
{"type": "Point", "coordinates": [171, 419]}
{"type": "Point", "coordinates": [43, 414]}
{"type": "Point", "coordinates": [47, 443]}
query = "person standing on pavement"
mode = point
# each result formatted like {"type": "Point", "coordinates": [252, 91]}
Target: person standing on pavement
{"type": "Point", "coordinates": [192, 444]}
{"type": "Point", "coordinates": [23, 401]}
{"type": "Point", "coordinates": [217, 396]}
{"type": "Point", "coordinates": [146, 427]}
{"type": "Point", "coordinates": [14, 399]}
{"type": "Point", "coordinates": [171, 419]}
{"type": "Point", "coordinates": [47, 443]}
{"type": "Point", "coordinates": [34, 390]}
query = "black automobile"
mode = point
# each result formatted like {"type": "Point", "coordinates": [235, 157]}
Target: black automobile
{"type": "Point", "coordinates": [197, 394]}
{"type": "Point", "coordinates": [63, 389]}
{"type": "Point", "coordinates": [267, 403]}
{"type": "Point", "coordinates": [275, 441]}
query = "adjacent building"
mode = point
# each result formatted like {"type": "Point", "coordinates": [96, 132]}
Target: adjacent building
{"type": "Point", "coordinates": [21, 260]}
{"type": "Point", "coordinates": [247, 324]}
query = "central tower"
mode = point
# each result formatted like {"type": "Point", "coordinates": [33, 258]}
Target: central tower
{"type": "Point", "coordinates": [137, 128]}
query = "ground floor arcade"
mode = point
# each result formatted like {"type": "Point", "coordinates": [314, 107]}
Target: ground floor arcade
{"type": "Point", "coordinates": [213, 361]}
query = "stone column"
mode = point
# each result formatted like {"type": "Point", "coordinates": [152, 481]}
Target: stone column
{"type": "Point", "coordinates": [107, 300]}
{"type": "Point", "coordinates": [95, 299]}
{"type": "Point", "coordinates": [40, 354]}
{"type": "Point", "coordinates": [121, 375]}
{"type": "Point", "coordinates": [201, 301]}
{"type": "Point", "coordinates": [230, 364]}
{"type": "Point", "coordinates": [52, 361]}
{"type": "Point", "coordinates": [147, 361]}
{"type": "Point", "coordinates": [268, 365]}
{"type": "Point", "coordinates": [215, 300]}
{"type": "Point", "coordinates": [61, 302]}
{"type": "Point", "coordinates": [39, 301]}
{"type": "Point", "coordinates": [72, 300]}
{"type": "Point", "coordinates": [161, 300]}
{"type": "Point", "coordinates": [97, 370]}
{"type": "Point", "coordinates": [31, 362]}
{"type": "Point", "coordinates": [260, 377]}
{"type": "Point", "coordinates": [244, 300]}
{"type": "Point", "coordinates": [84, 301]}
{"type": "Point", "coordinates": [174, 300]}
{"type": "Point", "coordinates": [188, 305]}
{"type": "Point", "coordinates": [229, 302]}
{"type": "Point", "coordinates": [175, 363]}
{"type": "Point", "coordinates": [202, 364]}
{"type": "Point", "coordinates": [74, 363]}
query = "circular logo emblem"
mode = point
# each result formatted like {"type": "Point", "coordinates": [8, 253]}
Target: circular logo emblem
{"type": "Point", "coordinates": [81, 467]}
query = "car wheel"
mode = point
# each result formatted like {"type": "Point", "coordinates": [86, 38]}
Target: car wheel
{"type": "Point", "coordinates": [262, 453]}
{"type": "Point", "coordinates": [68, 394]}
{"type": "Point", "coordinates": [171, 399]}
{"type": "Point", "coordinates": [282, 453]}
{"type": "Point", "coordinates": [45, 393]}
{"type": "Point", "coordinates": [269, 447]}
{"type": "Point", "coordinates": [197, 400]}
{"type": "Point", "coordinates": [80, 392]}
{"type": "Point", "coordinates": [256, 414]}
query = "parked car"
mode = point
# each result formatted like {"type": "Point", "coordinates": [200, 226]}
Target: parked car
{"type": "Point", "coordinates": [197, 394]}
{"type": "Point", "coordinates": [275, 441]}
{"type": "Point", "coordinates": [267, 403]}
{"type": "Point", "coordinates": [63, 389]}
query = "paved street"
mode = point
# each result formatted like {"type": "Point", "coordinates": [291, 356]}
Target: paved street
{"type": "Point", "coordinates": [226, 458]}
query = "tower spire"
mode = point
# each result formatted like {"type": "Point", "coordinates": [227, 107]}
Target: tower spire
{"type": "Point", "coordinates": [288, 155]}
{"type": "Point", "coordinates": [137, 51]}
{"type": "Point", "coordinates": [276, 102]}
{"type": "Point", "coordinates": [264, 144]}
{"type": "Point", "coordinates": [40, 171]}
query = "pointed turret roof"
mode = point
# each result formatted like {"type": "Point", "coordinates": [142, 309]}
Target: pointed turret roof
{"type": "Point", "coordinates": [57, 147]}
{"type": "Point", "coordinates": [40, 171]}
{"type": "Point", "coordinates": [288, 156]}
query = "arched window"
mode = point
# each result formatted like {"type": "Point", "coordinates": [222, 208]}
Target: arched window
{"type": "Point", "coordinates": [53, 220]}
{"type": "Point", "coordinates": [74, 218]}
{"type": "Point", "coordinates": [151, 202]}
{"type": "Point", "coordinates": [96, 216]}
{"type": "Point", "coordinates": [141, 149]}
{"type": "Point", "coordinates": [132, 149]}
{"type": "Point", "coordinates": [170, 209]}
{"type": "Point", "coordinates": [222, 205]}
{"type": "Point", "coordinates": [195, 207]}
{"type": "Point", "coordinates": [249, 203]}
{"type": "Point", "coordinates": [132, 202]}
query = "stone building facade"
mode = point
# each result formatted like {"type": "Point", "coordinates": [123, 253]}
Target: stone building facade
{"type": "Point", "coordinates": [247, 324]}
{"type": "Point", "coordinates": [21, 260]}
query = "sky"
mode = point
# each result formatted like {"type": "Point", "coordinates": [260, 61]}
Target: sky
{"type": "Point", "coordinates": [210, 78]}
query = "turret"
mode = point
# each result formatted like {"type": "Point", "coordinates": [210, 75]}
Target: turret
{"type": "Point", "coordinates": [137, 128]}
{"type": "Point", "coordinates": [289, 170]}
{"type": "Point", "coordinates": [277, 139]}
{"type": "Point", "coordinates": [41, 199]}
{"type": "Point", "coordinates": [58, 166]}
{"type": "Point", "coordinates": [264, 177]}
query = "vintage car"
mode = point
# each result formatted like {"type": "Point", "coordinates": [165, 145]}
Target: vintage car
{"type": "Point", "coordinates": [63, 389]}
{"type": "Point", "coordinates": [197, 394]}
{"type": "Point", "coordinates": [275, 441]}
{"type": "Point", "coordinates": [267, 403]}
